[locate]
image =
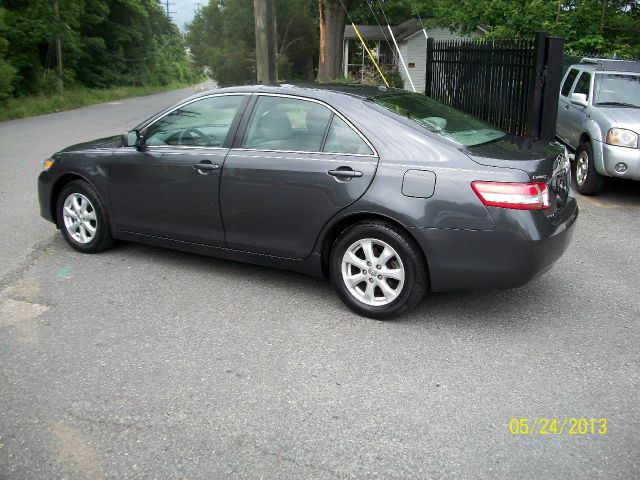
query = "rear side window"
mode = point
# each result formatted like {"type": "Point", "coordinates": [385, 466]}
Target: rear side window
{"type": "Point", "coordinates": [568, 82]}
{"type": "Point", "coordinates": [281, 123]}
{"type": "Point", "coordinates": [342, 139]}
{"type": "Point", "coordinates": [583, 84]}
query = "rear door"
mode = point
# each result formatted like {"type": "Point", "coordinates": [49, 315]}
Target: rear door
{"type": "Point", "coordinates": [295, 164]}
{"type": "Point", "coordinates": [170, 187]}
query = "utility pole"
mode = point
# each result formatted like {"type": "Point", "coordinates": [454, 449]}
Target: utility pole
{"type": "Point", "coordinates": [56, 13]}
{"type": "Point", "coordinates": [265, 23]}
{"type": "Point", "coordinates": [167, 6]}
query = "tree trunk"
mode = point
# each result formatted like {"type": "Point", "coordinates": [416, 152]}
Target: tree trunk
{"type": "Point", "coordinates": [603, 10]}
{"type": "Point", "coordinates": [265, 25]}
{"type": "Point", "coordinates": [332, 20]}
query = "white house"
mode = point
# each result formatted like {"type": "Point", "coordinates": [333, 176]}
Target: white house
{"type": "Point", "coordinates": [411, 41]}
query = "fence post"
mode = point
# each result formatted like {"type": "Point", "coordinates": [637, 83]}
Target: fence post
{"type": "Point", "coordinates": [429, 73]}
{"type": "Point", "coordinates": [535, 96]}
{"type": "Point", "coordinates": [551, 91]}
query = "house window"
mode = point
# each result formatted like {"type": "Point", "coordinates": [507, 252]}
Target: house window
{"type": "Point", "coordinates": [358, 62]}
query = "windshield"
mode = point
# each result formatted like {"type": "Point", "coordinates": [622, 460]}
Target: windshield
{"type": "Point", "coordinates": [440, 119]}
{"type": "Point", "coordinates": [617, 89]}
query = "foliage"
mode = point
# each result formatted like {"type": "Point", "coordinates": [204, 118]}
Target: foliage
{"type": "Point", "coordinates": [105, 43]}
{"type": "Point", "coordinates": [578, 21]}
{"type": "Point", "coordinates": [221, 37]}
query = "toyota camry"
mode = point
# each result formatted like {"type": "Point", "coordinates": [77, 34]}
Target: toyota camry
{"type": "Point", "coordinates": [390, 194]}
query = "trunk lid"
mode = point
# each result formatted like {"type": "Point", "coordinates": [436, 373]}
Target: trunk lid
{"type": "Point", "coordinates": [543, 161]}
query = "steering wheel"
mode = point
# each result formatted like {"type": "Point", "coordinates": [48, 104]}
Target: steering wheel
{"type": "Point", "coordinates": [193, 136]}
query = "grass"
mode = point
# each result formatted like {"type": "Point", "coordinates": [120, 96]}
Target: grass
{"type": "Point", "coordinates": [73, 98]}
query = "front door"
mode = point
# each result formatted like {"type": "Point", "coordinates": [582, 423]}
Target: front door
{"type": "Point", "coordinates": [297, 164]}
{"type": "Point", "coordinates": [564, 103]}
{"type": "Point", "coordinates": [170, 186]}
{"type": "Point", "coordinates": [576, 114]}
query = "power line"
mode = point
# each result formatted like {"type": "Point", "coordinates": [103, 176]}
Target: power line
{"type": "Point", "coordinates": [376, 19]}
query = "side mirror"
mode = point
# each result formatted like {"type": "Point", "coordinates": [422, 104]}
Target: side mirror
{"type": "Point", "coordinates": [579, 99]}
{"type": "Point", "coordinates": [131, 139]}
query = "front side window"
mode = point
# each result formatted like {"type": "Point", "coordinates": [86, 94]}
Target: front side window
{"type": "Point", "coordinates": [584, 82]}
{"type": "Point", "coordinates": [281, 123]}
{"type": "Point", "coordinates": [203, 123]}
{"type": "Point", "coordinates": [568, 82]}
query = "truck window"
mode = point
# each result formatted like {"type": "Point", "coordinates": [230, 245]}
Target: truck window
{"type": "Point", "coordinates": [583, 84]}
{"type": "Point", "coordinates": [568, 82]}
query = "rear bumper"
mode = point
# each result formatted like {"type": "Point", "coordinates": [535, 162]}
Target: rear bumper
{"type": "Point", "coordinates": [525, 245]}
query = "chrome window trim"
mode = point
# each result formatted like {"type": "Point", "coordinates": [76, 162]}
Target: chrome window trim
{"type": "Point", "coordinates": [228, 94]}
{"type": "Point", "coordinates": [320, 102]}
{"type": "Point", "coordinates": [182, 147]}
{"type": "Point", "coordinates": [242, 149]}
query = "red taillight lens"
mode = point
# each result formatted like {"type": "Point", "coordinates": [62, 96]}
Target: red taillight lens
{"type": "Point", "coordinates": [521, 196]}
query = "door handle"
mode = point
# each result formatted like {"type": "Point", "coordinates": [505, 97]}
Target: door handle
{"type": "Point", "coordinates": [567, 107]}
{"type": "Point", "coordinates": [205, 167]}
{"type": "Point", "coordinates": [344, 172]}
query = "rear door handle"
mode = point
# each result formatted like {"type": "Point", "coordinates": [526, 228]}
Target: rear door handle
{"type": "Point", "coordinates": [205, 167]}
{"type": "Point", "coordinates": [345, 172]}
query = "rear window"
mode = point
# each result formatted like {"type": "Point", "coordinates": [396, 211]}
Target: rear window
{"type": "Point", "coordinates": [441, 119]}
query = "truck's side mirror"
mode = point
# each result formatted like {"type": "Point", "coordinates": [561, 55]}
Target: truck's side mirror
{"type": "Point", "coordinates": [579, 99]}
{"type": "Point", "coordinates": [131, 139]}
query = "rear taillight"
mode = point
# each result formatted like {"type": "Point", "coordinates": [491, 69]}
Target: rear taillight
{"type": "Point", "coordinates": [521, 196]}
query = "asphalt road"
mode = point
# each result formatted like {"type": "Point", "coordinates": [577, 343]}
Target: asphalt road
{"type": "Point", "coordinates": [149, 363]}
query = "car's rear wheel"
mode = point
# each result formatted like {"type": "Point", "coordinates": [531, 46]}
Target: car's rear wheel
{"type": "Point", "coordinates": [377, 270]}
{"type": "Point", "coordinates": [588, 180]}
{"type": "Point", "coordinates": [82, 218]}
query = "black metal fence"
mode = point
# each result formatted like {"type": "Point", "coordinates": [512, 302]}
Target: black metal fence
{"type": "Point", "coordinates": [511, 83]}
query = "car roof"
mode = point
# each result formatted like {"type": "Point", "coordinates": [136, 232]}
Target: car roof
{"type": "Point", "coordinates": [608, 65]}
{"type": "Point", "coordinates": [324, 92]}
{"type": "Point", "coordinates": [312, 90]}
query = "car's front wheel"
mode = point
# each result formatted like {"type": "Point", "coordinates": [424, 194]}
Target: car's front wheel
{"type": "Point", "coordinates": [82, 218]}
{"type": "Point", "coordinates": [588, 180]}
{"type": "Point", "coordinates": [377, 270]}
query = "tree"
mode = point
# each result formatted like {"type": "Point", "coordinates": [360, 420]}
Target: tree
{"type": "Point", "coordinates": [221, 38]}
{"type": "Point", "coordinates": [331, 22]}
{"type": "Point", "coordinates": [104, 43]}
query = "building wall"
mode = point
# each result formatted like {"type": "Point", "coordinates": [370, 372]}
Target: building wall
{"type": "Point", "coordinates": [414, 50]}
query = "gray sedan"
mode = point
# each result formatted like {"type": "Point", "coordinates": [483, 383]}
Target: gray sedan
{"type": "Point", "coordinates": [387, 193]}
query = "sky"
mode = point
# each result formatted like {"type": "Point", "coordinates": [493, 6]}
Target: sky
{"type": "Point", "coordinates": [184, 10]}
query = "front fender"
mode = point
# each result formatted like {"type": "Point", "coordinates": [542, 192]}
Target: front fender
{"type": "Point", "coordinates": [592, 128]}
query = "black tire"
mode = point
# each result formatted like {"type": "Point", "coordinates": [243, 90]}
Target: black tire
{"type": "Point", "coordinates": [593, 182]}
{"type": "Point", "coordinates": [415, 270]}
{"type": "Point", "coordinates": [101, 239]}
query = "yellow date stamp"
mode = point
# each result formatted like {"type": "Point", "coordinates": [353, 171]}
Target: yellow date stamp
{"type": "Point", "coordinates": [558, 426]}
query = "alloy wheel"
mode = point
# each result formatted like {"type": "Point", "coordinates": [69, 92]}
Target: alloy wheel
{"type": "Point", "coordinates": [373, 272]}
{"type": "Point", "coordinates": [80, 218]}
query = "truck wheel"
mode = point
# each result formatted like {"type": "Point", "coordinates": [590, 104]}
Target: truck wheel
{"type": "Point", "coordinates": [588, 180]}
